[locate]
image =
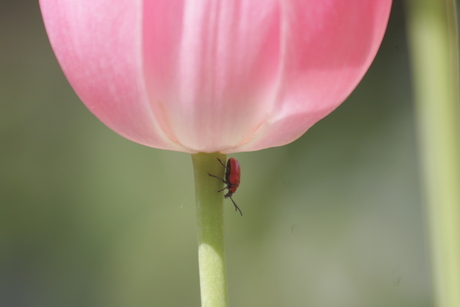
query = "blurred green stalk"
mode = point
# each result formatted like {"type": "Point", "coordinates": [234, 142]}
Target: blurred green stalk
{"type": "Point", "coordinates": [210, 224]}
{"type": "Point", "coordinates": [432, 29]}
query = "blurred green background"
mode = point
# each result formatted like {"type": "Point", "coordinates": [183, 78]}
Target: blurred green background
{"type": "Point", "coordinates": [88, 218]}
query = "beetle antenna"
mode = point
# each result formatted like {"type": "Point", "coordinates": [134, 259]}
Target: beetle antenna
{"type": "Point", "coordinates": [236, 207]}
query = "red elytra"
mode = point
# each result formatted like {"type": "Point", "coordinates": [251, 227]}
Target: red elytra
{"type": "Point", "coordinates": [232, 179]}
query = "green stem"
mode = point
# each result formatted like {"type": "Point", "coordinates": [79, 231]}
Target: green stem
{"type": "Point", "coordinates": [210, 220]}
{"type": "Point", "coordinates": [434, 45]}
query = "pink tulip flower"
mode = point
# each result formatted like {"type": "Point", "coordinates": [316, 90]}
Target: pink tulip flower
{"type": "Point", "coordinates": [214, 75]}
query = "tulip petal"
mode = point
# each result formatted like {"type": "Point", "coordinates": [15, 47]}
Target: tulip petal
{"type": "Point", "coordinates": [327, 47]}
{"type": "Point", "coordinates": [214, 75]}
{"type": "Point", "coordinates": [98, 44]}
{"type": "Point", "coordinates": [211, 68]}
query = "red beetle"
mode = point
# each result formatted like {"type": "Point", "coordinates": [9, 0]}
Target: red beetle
{"type": "Point", "coordinates": [232, 179]}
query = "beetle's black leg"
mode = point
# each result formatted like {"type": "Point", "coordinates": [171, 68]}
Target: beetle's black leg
{"type": "Point", "coordinates": [222, 163]}
{"type": "Point", "coordinates": [217, 178]}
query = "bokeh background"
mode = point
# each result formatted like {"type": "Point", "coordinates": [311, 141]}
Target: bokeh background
{"type": "Point", "coordinates": [87, 218]}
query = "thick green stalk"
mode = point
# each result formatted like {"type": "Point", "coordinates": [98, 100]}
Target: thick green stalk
{"type": "Point", "coordinates": [434, 51]}
{"type": "Point", "coordinates": [210, 220]}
